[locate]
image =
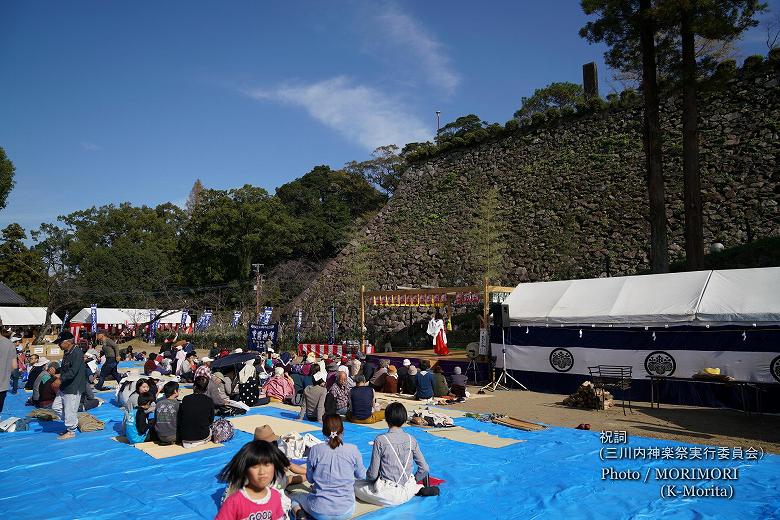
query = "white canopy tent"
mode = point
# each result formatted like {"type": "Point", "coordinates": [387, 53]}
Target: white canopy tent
{"type": "Point", "coordinates": [727, 297]}
{"type": "Point", "coordinates": [170, 317]}
{"type": "Point", "coordinates": [20, 316]}
{"type": "Point", "coordinates": [105, 316]}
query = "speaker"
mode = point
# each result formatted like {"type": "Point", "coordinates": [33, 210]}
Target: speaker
{"type": "Point", "coordinates": [500, 312]}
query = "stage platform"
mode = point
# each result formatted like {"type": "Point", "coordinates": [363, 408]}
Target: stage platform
{"type": "Point", "coordinates": [448, 362]}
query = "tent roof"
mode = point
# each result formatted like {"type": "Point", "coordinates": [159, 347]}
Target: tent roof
{"type": "Point", "coordinates": [111, 316]}
{"type": "Point", "coordinates": [9, 297]}
{"type": "Point", "coordinates": [712, 297]}
{"type": "Point", "coordinates": [26, 316]}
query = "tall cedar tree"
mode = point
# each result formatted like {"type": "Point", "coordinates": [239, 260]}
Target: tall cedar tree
{"type": "Point", "coordinates": [621, 24]}
{"type": "Point", "coordinates": [6, 177]}
{"type": "Point", "coordinates": [721, 20]}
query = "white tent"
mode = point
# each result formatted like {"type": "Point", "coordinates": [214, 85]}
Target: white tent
{"type": "Point", "coordinates": [143, 315]}
{"type": "Point", "coordinates": [18, 316]}
{"type": "Point", "coordinates": [735, 296]}
{"type": "Point", "coordinates": [105, 316]}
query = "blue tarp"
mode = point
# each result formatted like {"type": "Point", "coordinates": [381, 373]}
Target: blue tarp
{"type": "Point", "coordinates": [555, 473]}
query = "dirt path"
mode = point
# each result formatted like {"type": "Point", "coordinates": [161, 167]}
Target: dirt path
{"type": "Point", "coordinates": [710, 426]}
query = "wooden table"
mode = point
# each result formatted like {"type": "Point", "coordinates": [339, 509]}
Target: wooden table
{"type": "Point", "coordinates": [655, 397]}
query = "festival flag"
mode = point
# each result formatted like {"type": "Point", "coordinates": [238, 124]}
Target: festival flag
{"type": "Point", "coordinates": [332, 335]}
{"type": "Point", "coordinates": [93, 314]}
{"type": "Point", "coordinates": [153, 322]}
{"type": "Point", "coordinates": [264, 318]}
{"type": "Point", "coordinates": [298, 323]}
{"type": "Point", "coordinates": [65, 320]}
{"type": "Point", "coordinates": [184, 315]}
{"type": "Point", "coordinates": [236, 318]}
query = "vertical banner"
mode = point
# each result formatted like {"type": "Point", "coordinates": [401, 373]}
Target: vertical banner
{"type": "Point", "coordinates": [93, 314]}
{"type": "Point", "coordinates": [332, 335]}
{"type": "Point", "coordinates": [257, 335]}
{"type": "Point", "coordinates": [153, 322]}
{"type": "Point", "coordinates": [184, 316]}
{"type": "Point", "coordinates": [484, 342]}
{"type": "Point", "coordinates": [65, 320]}
{"type": "Point", "coordinates": [203, 321]}
{"type": "Point", "coordinates": [236, 318]}
{"type": "Point", "coordinates": [298, 322]}
{"type": "Point", "coordinates": [264, 318]}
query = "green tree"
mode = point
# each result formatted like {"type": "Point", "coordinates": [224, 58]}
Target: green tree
{"type": "Point", "coordinates": [20, 268]}
{"type": "Point", "coordinates": [555, 95]}
{"type": "Point", "coordinates": [628, 27]}
{"type": "Point", "coordinates": [194, 197]}
{"type": "Point", "coordinates": [326, 204]}
{"type": "Point", "coordinates": [461, 127]}
{"type": "Point", "coordinates": [384, 169]}
{"type": "Point", "coordinates": [486, 240]}
{"type": "Point", "coordinates": [722, 20]}
{"type": "Point", "coordinates": [229, 230]}
{"type": "Point", "coordinates": [6, 177]}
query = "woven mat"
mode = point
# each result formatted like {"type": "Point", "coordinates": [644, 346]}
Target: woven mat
{"type": "Point", "coordinates": [361, 508]}
{"type": "Point", "coordinates": [248, 423]}
{"type": "Point", "coordinates": [184, 392]}
{"type": "Point", "coordinates": [164, 452]}
{"type": "Point", "coordinates": [470, 437]}
{"type": "Point", "coordinates": [282, 406]}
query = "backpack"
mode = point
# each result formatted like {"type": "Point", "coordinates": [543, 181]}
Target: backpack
{"type": "Point", "coordinates": [221, 430]}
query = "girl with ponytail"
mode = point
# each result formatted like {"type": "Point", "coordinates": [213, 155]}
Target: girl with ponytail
{"type": "Point", "coordinates": [332, 468]}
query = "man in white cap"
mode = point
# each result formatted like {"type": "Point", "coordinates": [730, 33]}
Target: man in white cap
{"type": "Point", "coordinates": [313, 407]}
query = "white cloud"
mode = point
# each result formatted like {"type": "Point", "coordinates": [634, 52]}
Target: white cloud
{"type": "Point", "coordinates": [406, 32]}
{"type": "Point", "coordinates": [361, 113]}
{"type": "Point", "coordinates": [90, 147]}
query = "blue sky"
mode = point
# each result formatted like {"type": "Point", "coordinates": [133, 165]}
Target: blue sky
{"type": "Point", "coordinates": [107, 101]}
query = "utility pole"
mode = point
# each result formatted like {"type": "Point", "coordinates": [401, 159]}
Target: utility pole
{"type": "Point", "coordinates": [258, 288]}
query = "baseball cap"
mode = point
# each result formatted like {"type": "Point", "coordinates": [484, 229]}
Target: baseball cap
{"type": "Point", "coordinates": [63, 336]}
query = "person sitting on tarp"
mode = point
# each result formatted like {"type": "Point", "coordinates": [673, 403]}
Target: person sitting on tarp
{"type": "Point", "coordinates": [389, 480]}
{"type": "Point", "coordinates": [378, 379]}
{"type": "Point", "coordinates": [410, 382]}
{"type": "Point", "coordinates": [142, 386]}
{"type": "Point", "coordinates": [189, 366]}
{"type": "Point", "coordinates": [166, 412]}
{"type": "Point", "coordinates": [165, 367]}
{"type": "Point", "coordinates": [196, 413]}
{"type": "Point", "coordinates": [280, 387]}
{"type": "Point", "coordinates": [220, 390]}
{"type": "Point", "coordinates": [458, 388]}
{"type": "Point", "coordinates": [313, 407]}
{"type": "Point", "coordinates": [341, 390]}
{"type": "Point", "coordinates": [363, 407]}
{"type": "Point", "coordinates": [36, 367]}
{"type": "Point", "coordinates": [354, 369]}
{"type": "Point", "coordinates": [424, 381]}
{"type": "Point", "coordinates": [151, 364]}
{"type": "Point", "coordinates": [391, 381]}
{"type": "Point", "coordinates": [138, 427]}
{"type": "Point", "coordinates": [48, 385]}
{"type": "Point", "coordinates": [440, 388]}
{"type": "Point", "coordinates": [332, 468]}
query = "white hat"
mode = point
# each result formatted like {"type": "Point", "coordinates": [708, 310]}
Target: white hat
{"type": "Point", "coordinates": [269, 349]}
{"type": "Point", "coordinates": [407, 362]}
{"type": "Point", "coordinates": [319, 376]}
{"type": "Point", "coordinates": [206, 359]}
{"type": "Point", "coordinates": [238, 351]}
{"type": "Point", "coordinates": [278, 371]}
{"type": "Point", "coordinates": [343, 368]}
{"type": "Point", "coordinates": [155, 374]}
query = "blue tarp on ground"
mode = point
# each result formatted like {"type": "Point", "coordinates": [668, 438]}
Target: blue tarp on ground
{"type": "Point", "coordinates": [556, 473]}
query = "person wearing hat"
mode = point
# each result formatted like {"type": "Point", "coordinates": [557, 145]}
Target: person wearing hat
{"type": "Point", "coordinates": [205, 367]}
{"type": "Point", "coordinates": [266, 433]}
{"type": "Point", "coordinates": [73, 383]}
{"type": "Point", "coordinates": [109, 368]}
{"type": "Point", "coordinates": [7, 362]}
{"type": "Point", "coordinates": [313, 407]}
{"type": "Point", "coordinates": [391, 381]}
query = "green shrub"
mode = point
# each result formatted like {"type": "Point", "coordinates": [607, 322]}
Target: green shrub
{"type": "Point", "coordinates": [774, 55]}
{"type": "Point", "coordinates": [567, 112]}
{"type": "Point", "coordinates": [753, 62]}
{"type": "Point", "coordinates": [551, 114]}
{"type": "Point", "coordinates": [512, 125]}
{"type": "Point", "coordinates": [458, 141]}
{"type": "Point", "coordinates": [597, 104]}
{"type": "Point", "coordinates": [537, 119]}
{"type": "Point", "coordinates": [628, 97]}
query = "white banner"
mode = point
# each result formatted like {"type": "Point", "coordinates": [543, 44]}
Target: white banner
{"type": "Point", "coordinates": [743, 366]}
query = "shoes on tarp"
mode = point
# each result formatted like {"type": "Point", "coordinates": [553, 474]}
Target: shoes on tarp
{"type": "Point", "coordinates": [65, 436]}
{"type": "Point", "coordinates": [582, 427]}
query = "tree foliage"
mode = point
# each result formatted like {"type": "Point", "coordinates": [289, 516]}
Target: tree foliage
{"type": "Point", "coordinates": [20, 268]}
{"type": "Point", "coordinates": [486, 240]}
{"type": "Point", "coordinates": [383, 170]}
{"type": "Point", "coordinates": [6, 177]}
{"type": "Point", "coordinates": [555, 95]}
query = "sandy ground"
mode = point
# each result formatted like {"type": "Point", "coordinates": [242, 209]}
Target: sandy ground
{"type": "Point", "coordinates": [710, 426]}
